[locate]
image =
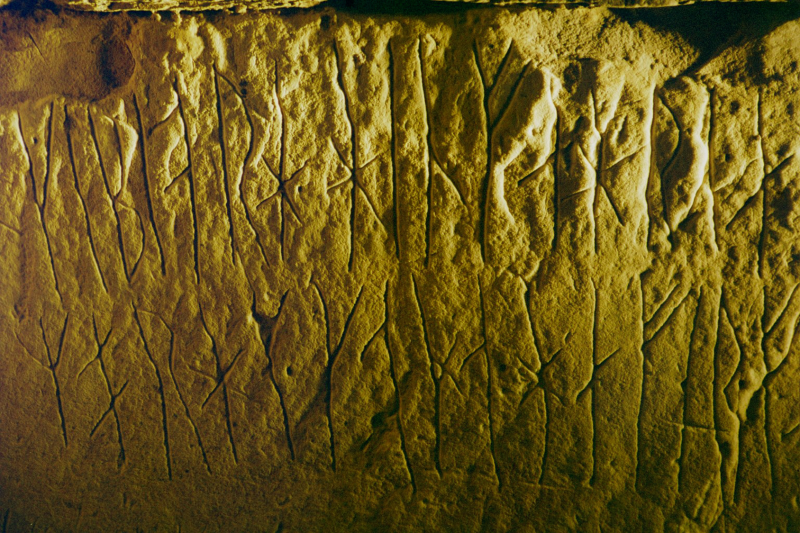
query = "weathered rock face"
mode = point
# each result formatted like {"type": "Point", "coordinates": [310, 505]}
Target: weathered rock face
{"type": "Point", "coordinates": [530, 270]}
{"type": "Point", "coordinates": [243, 5]}
{"type": "Point", "coordinates": [189, 5]}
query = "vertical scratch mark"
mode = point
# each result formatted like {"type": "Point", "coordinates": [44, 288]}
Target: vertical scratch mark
{"type": "Point", "coordinates": [639, 429]}
{"type": "Point", "coordinates": [221, 382]}
{"type": "Point", "coordinates": [326, 378]}
{"type": "Point", "coordinates": [393, 143]}
{"type": "Point", "coordinates": [52, 366]}
{"type": "Point", "coordinates": [723, 475]}
{"type": "Point", "coordinates": [141, 240]}
{"type": "Point", "coordinates": [146, 178]}
{"type": "Point", "coordinates": [429, 168]}
{"type": "Point", "coordinates": [112, 407]}
{"type": "Point", "coordinates": [226, 178]}
{"type": "Point", "coordinates": [267, 331]}
{"type": "Point", "coordinates": [653, 167]}
{"type": "Point", "coordinates": [30, 158]}
{"type": "Point", "coordinates": [598, 175]}
{"type": "Point", "coordinates": [484, 199]}
{"type": "Point", "coordinates": [556, 198]}
{"type": "Point", "coordinates": [768, 420]}
{"type": "Point", "coordinates": [171, 368]}
{"type": "Point", "coordinates": [768, 427]}
{"type": "Point", "coordinates": [669, 164]}
{"type": "Point", "coordinates": [111, 198]}
{"type": "Point", "coordinates": [436, 384]}
{"type": "Point", "coordinates": [397, 396]}
{"type": "Point", "coordinates": [685, 390]}
{"type": "Point", "coordinates": [489, 388]}
{"type": "Point", "coordinates": [165, 427]}
{"type": "Point", "coordinates": [70, 149]}
{"type": "Point", "coordinates": [247, 158]}
{"type": "Point", "coordinates": [763, 234]}
{"type": "Point", "coordinates": [595, 363]}
{"type": "Point", "coordinates": [281, 160]}
{"type": "Point", "coordinates": [353, 151]}
{"type": "Point", "coordinates": [41, 206]}
{"type": "Point", "coordinates": [711, 126]}
{"type": "Point", "coordinates": [192, 194]}
{"type": "Point", "coordinates": [490, 125]}
{"type": "Point", "coordinates": [332, 354]}
{"type": "Point", "coordinates": [545, 448]}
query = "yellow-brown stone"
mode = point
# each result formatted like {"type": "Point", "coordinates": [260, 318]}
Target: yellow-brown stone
{"type": "Point", "coordinates": [490, 269]}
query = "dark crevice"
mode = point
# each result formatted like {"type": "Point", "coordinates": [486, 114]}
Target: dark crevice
{"type": "Point", "coordinates": [711, 27]}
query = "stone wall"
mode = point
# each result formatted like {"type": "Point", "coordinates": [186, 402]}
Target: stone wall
{"type": "Point", "coordinates": [485, 270]}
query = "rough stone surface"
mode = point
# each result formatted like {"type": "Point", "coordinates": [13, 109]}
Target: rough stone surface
{"type": "Point", "coordinates": [493, 270]}
{"type": "Point", "coordinates": [241, 5]}
{"type": "Point", "coordinates": [611, 3]}
{"type": "Point", "coordinates": [188, 5]}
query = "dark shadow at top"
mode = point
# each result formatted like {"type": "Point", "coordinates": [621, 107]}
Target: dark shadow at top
{"type": "Point", "coordinates": [713, 26]}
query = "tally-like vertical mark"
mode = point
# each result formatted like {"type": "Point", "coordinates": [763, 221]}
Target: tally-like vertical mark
{"type": "Point", "coordinates": [267, 330]}
{"type": "Point", "coordinates": [429, 173]}
{"type": "Point", "coordinates": [652, 167]}
{"type": "Point", "coordinates": [766, 386]}
{"type": "Point", "coordinates": [763, 233]}
{"type": "Point", "coordinates": [436, 385]}
{"type": "Point", "coordinates": [396, 386]}
{"type": "Point", "coordinates": [393, 146]}
{"type": "Point", "coordinates": [685, 390]}
{"type": "Point", "coordinates": [595, 319]}
{"type": "Point", "coordinates": [147, 194]}
{"type": "Point", "coordinates": [712, 199]}
{"type": "Point", "coordinates": [673, 157]}
{"type": "Point", "coordinates": [490, 124]}
{"type": "Point", "coordinates": [281, 157]}
{"type": "Point", "coordinates": [433, 161]}
{"type": "Point", "coordinates": [221, 382]}
{"type": "Point", "coordinates": [353, 151]}
{"type": "Point", "coordinates": [556, 174]}
{"type": "Point", "coordinates": [192, 193]}
{"type": "Point", "coordinates": [284, 198]}
{"type": "Point", "coordinates": [599, 169]}
{"type": "Point", "coordinates": [171, 368]}
{"type": "Point", "coordinates": [52, 366]}
{"type": "Point", "coordinates": [483, 200]}
{"type": "Point", "coordinates": [489, 388]}
{"type": "Point", "coordinates": [42, 206]}
{"type": "Point", "coordinates": [225, 176]}
{"type": "Point", "coordinates": [639, 429]}
{"type": "Point", "coordinates": [355, 169]}
{"type": "Point", "coordinates": [71, 151]}
{"type": "Point", "coordinates": [111, 198]}
{"type": "Point", "coordinates": [332, 355]}
{"type": "Point", "coordinates": [247, 160]}
{"type": "Point", "coordinates": [112, 404]}
{"type": "Point", "coordinates": [723, 476]}
{"type": "Point", "coordinates": [164, 423]}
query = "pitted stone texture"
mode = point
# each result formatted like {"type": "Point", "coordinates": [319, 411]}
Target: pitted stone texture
{"type": "Point", "coordinates": [496, 270]}
{"type": "Point", "coordinates": [183, 5]}
{"type": "Point", "coordinates": [241, 5]}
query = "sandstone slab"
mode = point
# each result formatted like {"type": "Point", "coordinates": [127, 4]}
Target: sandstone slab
{"type": "Point", "coordinates": [499, 269]}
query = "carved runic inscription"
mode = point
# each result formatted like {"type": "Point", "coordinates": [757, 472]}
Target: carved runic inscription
{"type": "Point", "coordinates": [300, 269]}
